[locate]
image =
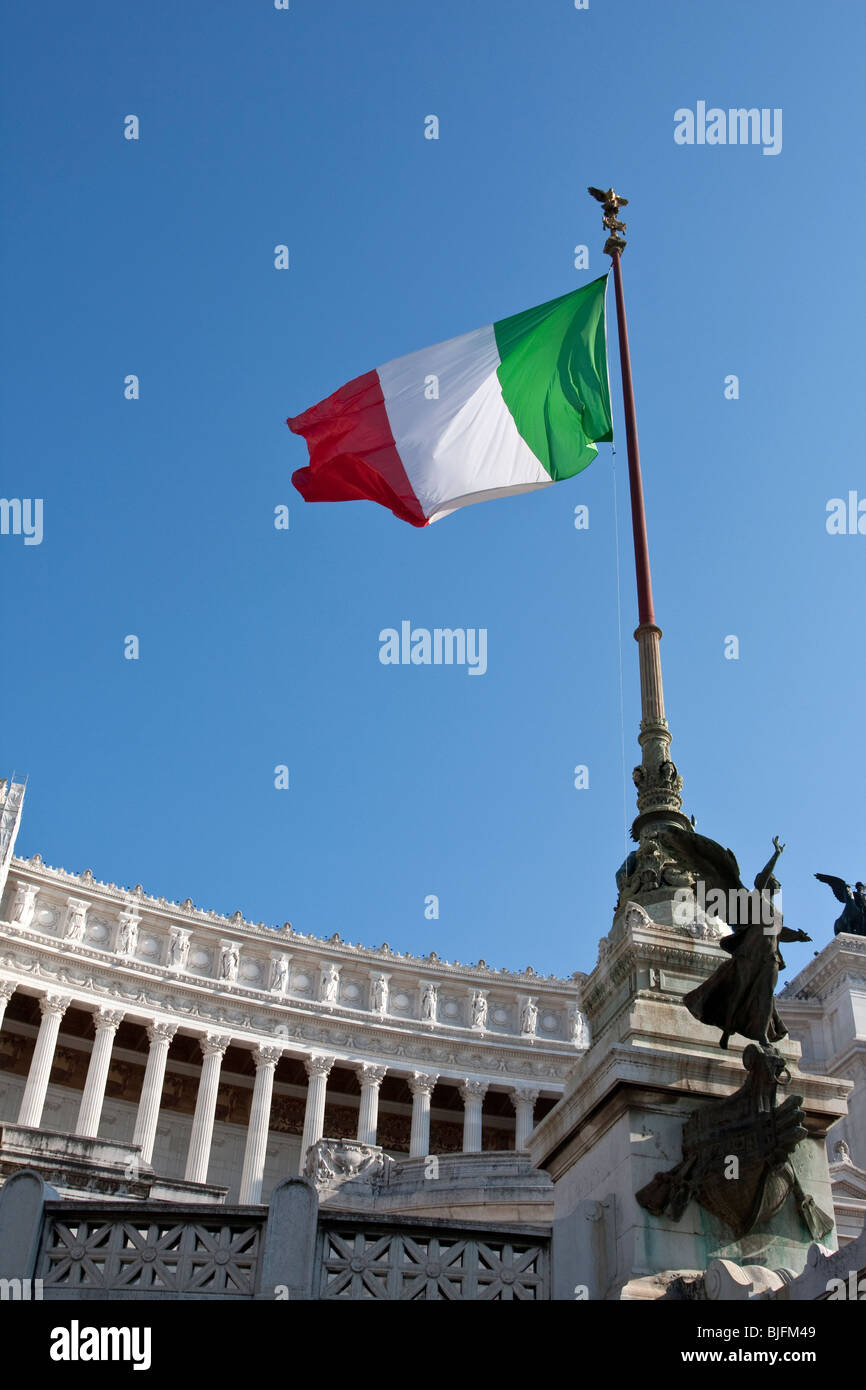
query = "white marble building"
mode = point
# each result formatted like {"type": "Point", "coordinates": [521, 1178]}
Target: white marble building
{"type": "Point", "coordinates": [223, 1049]}
{"type": "Point", "coordinates": [824, 1009]}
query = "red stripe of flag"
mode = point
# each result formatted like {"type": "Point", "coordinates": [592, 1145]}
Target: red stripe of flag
{"type": "Point", "coordinates": [352, 451]}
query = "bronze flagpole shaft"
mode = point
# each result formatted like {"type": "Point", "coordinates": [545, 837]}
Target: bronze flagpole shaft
{"type": "Point", "coordinates": [646, 615]}
{"type": "Point", "coordinates": [659, 784]}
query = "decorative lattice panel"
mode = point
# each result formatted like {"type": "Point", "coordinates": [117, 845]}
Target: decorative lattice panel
{"type": "Point", "coordinates": [169, 1256]}
{"type": "Point", "coordinates": [361, 1264]}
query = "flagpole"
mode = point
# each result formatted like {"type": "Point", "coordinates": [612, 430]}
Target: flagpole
{"type": "Point", "coordinates": [658, 784]}
{"type": "Point", "coordinates": [646, 613]}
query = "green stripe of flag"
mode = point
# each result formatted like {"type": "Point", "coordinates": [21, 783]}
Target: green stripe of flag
{"type": "Point", "coordinates": [553, 374]}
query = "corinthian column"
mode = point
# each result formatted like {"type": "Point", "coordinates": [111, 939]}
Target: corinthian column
{"type": "Point", "coordinates": [213, 1050]}
{"type": "Point", "coordinates": [523, 1099]}
{"type": "Point", "coordinates": [266, 1059]}
{"type": "Point", "coordinates": [107, 1022]}
{"type": "Point", "coordinates": [160, 1035]}
{"type": "Point", "coordinates": [421, 1085]}
{"type": "Point", "coordinates": [318, 1070]}
{"type": "Point", "coordinates": [7, 989]}
{"type": "Point", "coordinates": [473, 1093]}
{"type": "Point", "coordinates": [371, 1079]}
{"type": "Point", "coordinates": [52, 1008]}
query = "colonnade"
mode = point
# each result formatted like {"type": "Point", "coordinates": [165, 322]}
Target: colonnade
{"type": "Point", "coordinates": [213, 1045]}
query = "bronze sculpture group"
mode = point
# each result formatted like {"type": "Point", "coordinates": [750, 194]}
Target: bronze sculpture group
{"type": "Point", "coordinates": [739, 997]}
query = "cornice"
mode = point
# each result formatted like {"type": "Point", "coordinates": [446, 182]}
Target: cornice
{"type": "Point", "coordinates": [186, 912]}
{"type": "Point", "coordinates": [843, 955]}
{"type": "Point", "coordinates": [252, 1015]}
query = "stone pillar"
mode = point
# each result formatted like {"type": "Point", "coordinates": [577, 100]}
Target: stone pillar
{"type": "Point", "coordinates": [52, 1008]}
{"type": "Point", "coordinates": [473, 1093]}
{"type": "Point", "coordinates": [7, 989]}
{"type": "Point", "coordinates": [213, 1050]}
{"type": "Point", "coordinates": [371, 1079]}
{"type": "Point", "coordinates": [107, 1022]}
{"type": "Point", "coordinates": [160, 1035]}
{"type": "Point", "coordinates": [318, 1070]}
{"type": "Point", "coordinates": [523, 1099]}
{"type": "Point", "coordinates": [421, 1085]}
{"type": "Point", "coordinates": [266, 1059]}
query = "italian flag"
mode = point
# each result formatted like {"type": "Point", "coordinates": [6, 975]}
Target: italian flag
{"type": "Point", "coordinates": [512, 407]}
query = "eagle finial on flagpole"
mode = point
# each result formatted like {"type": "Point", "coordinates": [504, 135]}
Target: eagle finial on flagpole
{"type": "Point", "coordinates": [611, 203]}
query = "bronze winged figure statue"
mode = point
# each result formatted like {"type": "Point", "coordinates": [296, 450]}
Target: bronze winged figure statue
{"type": "Point", "coordinates": [739, 996]}
{"type": "Point", "coordinates": [853, 916]}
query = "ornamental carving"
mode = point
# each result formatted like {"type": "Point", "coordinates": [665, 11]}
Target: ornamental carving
{"type": "Point", "coordinates": [267, 1056]}
{"type": "Point", "coordinates": [54, 1004]}
{"type": "Point", "coordinates": [580, 1033]}
{"type": "Point", "coordinates": [429, 1001]}
{"type": "Point", "coordinates": [318, 1066]}
{"type": "Point", "coordinates": [523, 1095]}
{"type": "Point", "coordinates": [330, 1163]}
{"type": "Point", "coordinates": [370, 1075]}
{"type": "Point", "coordinates": [379, 995]}
{"type": "Point", "coordinates": [279, 974]}
{"type": "Point", "coordinates": [76, 922]}
{"type": "Point", "coordinates": [108, 1018]}
{"type": "Point", "coordinates": [229, 957]}
{"type": "Point", "coordinates": [659, 785]}
{"type": "Point", "coordinates": [479, 1009]}
{"type": "Point", "coordinates": [329, 985]}
{"type": "Point", "coordinates": [178, 949]}
{"type": "Point", "coordinates": [529, 1019]}
{"type": "Point", "coordinates": [655, 864]}
{"type": "Point", "coordinates": [421, 1083]}
{"type": "Point", "coordinates": [24, 905]}
{"type": "Point", "coordinates": [473, 1090]}
{"type": "Point", "coordinates": [161, 1032]}
{"type": "Point", "coordinates": [127, 936]}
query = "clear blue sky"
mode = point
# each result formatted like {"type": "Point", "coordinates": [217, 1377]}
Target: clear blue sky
{"type": "Point", "coordinates": [260, 647]}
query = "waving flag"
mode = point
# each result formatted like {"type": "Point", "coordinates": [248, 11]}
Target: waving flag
{"type": "Point", "coordinates": [508, 408]}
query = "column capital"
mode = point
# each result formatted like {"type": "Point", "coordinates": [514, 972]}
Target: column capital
{"type": "Point", "coordinates": [7, 989]}
{"type": "Point", "coordinates": [214, 1044]}
{"type": "Point", "coordinates": [107, 1018]}
{"type": "Point", "coordinates": [266, 1056]}
{"type": "Point", "coordinates": [54, 1004]}
{"type": "Point", "coordinates": [527, 1095]}
{"type": "Point", "coordinates": [318, 1066]}
{"type": "Point", "coordinates": [370, 1075]}
{"type": "Point", "coordinates": [159, 1031]}
{"type": "Point", "coordinates": [422, 1083]}
{"type": "Point", "coordinates": [473, 1090]}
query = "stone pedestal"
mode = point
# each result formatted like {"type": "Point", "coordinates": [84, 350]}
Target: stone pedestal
{"type": "Point", "coordinates": [621, 1118]}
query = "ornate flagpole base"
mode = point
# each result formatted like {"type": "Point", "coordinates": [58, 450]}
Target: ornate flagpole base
{"type": "Point", "coordinates": [659, 785]}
